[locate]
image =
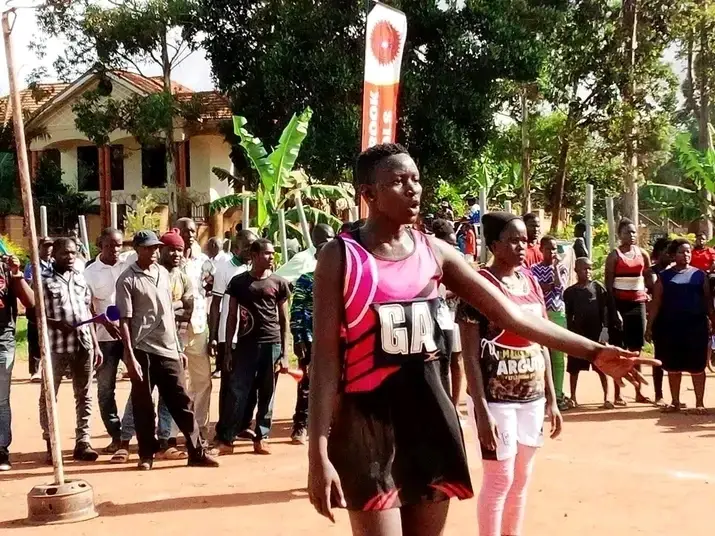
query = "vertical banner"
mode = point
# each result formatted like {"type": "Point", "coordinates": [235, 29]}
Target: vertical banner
{"type": "Point", "coordinates": [384, 44]}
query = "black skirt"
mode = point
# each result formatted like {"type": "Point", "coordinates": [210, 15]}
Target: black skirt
{"type": "Point", "coordinates": [401, 443]}
{"type": "Point", "coordinates": [681, 342]}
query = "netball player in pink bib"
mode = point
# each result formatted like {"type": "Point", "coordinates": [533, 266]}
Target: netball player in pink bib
{"type": "Point", "coordinates": [384, 437]}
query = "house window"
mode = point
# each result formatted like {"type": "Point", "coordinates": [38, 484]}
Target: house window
{"type": "Point", "coordinates": [154, 166]}
{"type": "Point", "coordinates": [117, 166]}
{"type": "Point", "coordinates": [52, 155]}
{"type": "Point", "coordinates": [88, 169]}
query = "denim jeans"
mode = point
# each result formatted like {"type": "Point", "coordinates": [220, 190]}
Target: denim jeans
{"type": "Point", "coordinates": [113, 352]}
{"type": "Point", "coordinates": [81, 364]}
{"type": "Point", "coordinates": [251, 363]}
{"type": "Point", "coordinates": [225, 388]}
{"type": "Point", "coordinates": [7, 359]}
{"type": "Point", "coordinates": [165, 430]}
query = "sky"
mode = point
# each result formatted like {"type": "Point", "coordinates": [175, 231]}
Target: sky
{"type": "Point", "coordinates": [194, 72]}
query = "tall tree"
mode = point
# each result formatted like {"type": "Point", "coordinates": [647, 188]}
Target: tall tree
{"type": "Point", "coordinates": [126, 34]}
{"type": "Point", "coordinates": [275, 57]}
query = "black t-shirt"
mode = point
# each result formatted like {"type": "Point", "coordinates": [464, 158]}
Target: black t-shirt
{"type": "Point", "coordinates": [8, 302]}
{"type": "Point", "coordinates": [259, 300]}
{"type": "Point", "coordinates": [586, 309]}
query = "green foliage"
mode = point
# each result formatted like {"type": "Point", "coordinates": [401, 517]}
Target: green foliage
{"type": "Point", "coordinates": [16, 249]}
{"type": "Point", "coordinates": [278, 183]}
{"type": "Point", "coordinates": [64, 204]}
{"type": "Point", "coordinates": [274, 57]}
{"type": "Point", "coordinates": [143, 216]}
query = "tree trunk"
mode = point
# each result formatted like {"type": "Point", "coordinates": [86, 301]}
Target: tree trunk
{"type": "Point", "coordinates": [560, 180]}
{"type": "Point", "coordinates": [171, 152]}
{"type": "Point", "coordinates": [525, 152]}
{"type": "Point", "coordinates": [630, 195]}
{"type": "Point", "coordinates": [705, 141]}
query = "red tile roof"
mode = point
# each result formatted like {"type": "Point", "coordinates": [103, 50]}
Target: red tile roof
{"type": "Point", "coordinates": [214, 107]}
{"type": "Point", "coordinates": [32, 99]}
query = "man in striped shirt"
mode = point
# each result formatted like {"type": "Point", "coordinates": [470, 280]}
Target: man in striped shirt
{"type": "Point", "coordinates": [67, 300]}
{"type": "Point", "coordinates": [553, 279]}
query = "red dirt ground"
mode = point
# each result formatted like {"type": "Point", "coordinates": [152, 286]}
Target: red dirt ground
{"type": "Point", "coordinates": [627, 471]}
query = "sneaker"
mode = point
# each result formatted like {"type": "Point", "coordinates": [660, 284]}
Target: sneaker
{"type": "Point", "coordinates": [203, 460]}
{"type": "Point", "coordinates": [83, 452]}
{"type": "Point", "coordinates": [261, 447]}
{"type": "Point", "coordinates": [4, 460]}
{"type": "Point", "coordinates": [145, 464]}
{"type": "Point", "coordinates": [35, 378]}
{"type": "Point", "coordinates": [248, 434]}
{"type": "Point", "coordinates": [113, 447]}
{"type": "Point", "coordinates": [299, 436]}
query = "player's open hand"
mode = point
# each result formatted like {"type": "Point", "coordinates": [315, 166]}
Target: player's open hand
{"type": "Point", "coordinates": [324, 488]}
{"type": "Point", "coordinates": [621, 364]}
{"type": "Point", "coordinates": [556, 420]}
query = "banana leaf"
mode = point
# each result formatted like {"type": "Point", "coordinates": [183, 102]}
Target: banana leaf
{"type": "Point", "coordinates": [229, 201]}
{"type": "Point", "coordinates": [283, 157]}
{"type": "Point", "coordinates": [253, 146]}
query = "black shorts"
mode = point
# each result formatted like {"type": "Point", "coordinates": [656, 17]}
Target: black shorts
{"type": "Point", "coordinates": [576, 365]}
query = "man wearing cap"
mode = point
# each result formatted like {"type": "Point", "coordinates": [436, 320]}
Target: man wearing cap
{"type": "Point", "coordinates": [151, 352]}
{"type": "Point", "coordinates": [73, 344]}
{"type": "Point", "coordinates": [199, 270]}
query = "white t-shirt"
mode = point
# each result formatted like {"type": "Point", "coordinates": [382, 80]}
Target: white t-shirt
{"type": "Point", "coordinates": [102, 279]}
{"type": "Point", "coordinates": [225, 271]}
{"type": "Point", "coordinates": [303, 262]}
{"type": "Point", "coordinates": [198, 268]}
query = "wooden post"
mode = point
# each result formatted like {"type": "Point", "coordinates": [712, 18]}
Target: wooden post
{"type": "Point", "coordinates": [611, 224]}
{"type": "Point", "coordinates": [83, 235]}
{"type": "Point", "coordinates": [43, 222]}
{"type": "Point", "coordinates": [589, 219]}
{"type": "Point", "coordinates": [28, 206]}
{"type": "Point", "coordinates": [303, 221]}
{"type": "Point", "coordinates": [507, 206]}
{"type": "Point", "coordinates": [282, 235]}
{"type": "Point", "coordinates": [113, 215]}
{"type": "Point", "coordinates": [181, 165]}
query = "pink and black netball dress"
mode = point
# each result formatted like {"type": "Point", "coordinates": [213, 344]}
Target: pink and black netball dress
{"type": "Point", "coordinates": [395, 439]}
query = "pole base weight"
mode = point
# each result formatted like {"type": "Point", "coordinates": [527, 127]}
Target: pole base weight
{"type": "Point", "coordinates": [52, 504]}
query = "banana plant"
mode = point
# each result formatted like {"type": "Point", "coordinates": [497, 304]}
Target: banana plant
{"type": "Point", "coordinates": [279, 183]}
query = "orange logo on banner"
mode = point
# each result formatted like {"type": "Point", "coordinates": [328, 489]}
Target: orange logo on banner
{"type": "Point", "coordinates": [385, 39]}
{"type": "Point", "coordinates": [385, 42]}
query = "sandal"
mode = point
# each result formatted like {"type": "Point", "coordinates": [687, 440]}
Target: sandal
{"type": "Point", "coordinates": [607, 405]}
{"type": "Point", "coordinates": [620, 403]}
{"type": "Point", "coordinates": [172, 453]}
{"type": "Point", "coordinates": [121, 456]}
{"type": "Point", "coordinates": [670, 409]}
{"type": "Point", "coordinates": [643, 400]}
{"type": "Point", "coordinates": [700, 410]}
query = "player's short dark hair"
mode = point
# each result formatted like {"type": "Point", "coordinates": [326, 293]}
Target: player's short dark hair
{"type": "Point", "coordinates": [674, 246]}
{"type": "Point", "coordinates": [579, 229]}
{"type": "Point", "coordinates": [442, 228]}
{"type": "Point", "coordinates": [370, 158]}
{"type": "Point", "coordinates": [260, 245]}
{"type": "Point", "coordinates": [625, 222]}
{"type": "Point", "coordinates": [545, 239]}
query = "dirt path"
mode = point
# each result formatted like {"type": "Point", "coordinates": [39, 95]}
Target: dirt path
{"type": "Point", "coordinates": [628, 471]}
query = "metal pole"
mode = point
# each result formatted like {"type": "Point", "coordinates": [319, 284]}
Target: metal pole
{"type": "Point", "coordinates": [589, 218]}
{"type": "Point", "coordinates": [113, 215]}
{"type": "Point", "coordinates": [28, 206]}
{"type": "Point", "coordinates": [507, 206]}
{"type": "Point", "coordinates": [303, 222]}
{"type": "Point", "coordinates": [611, 224]}
{"type": "Point", "coordinates": [482, 212]}
{"type": "Point", "coordinates": [83, 233]}
{"type": "Point", "coordinates": [282, 235]}
{"type": "Point", "coordinates": [43, 221]}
